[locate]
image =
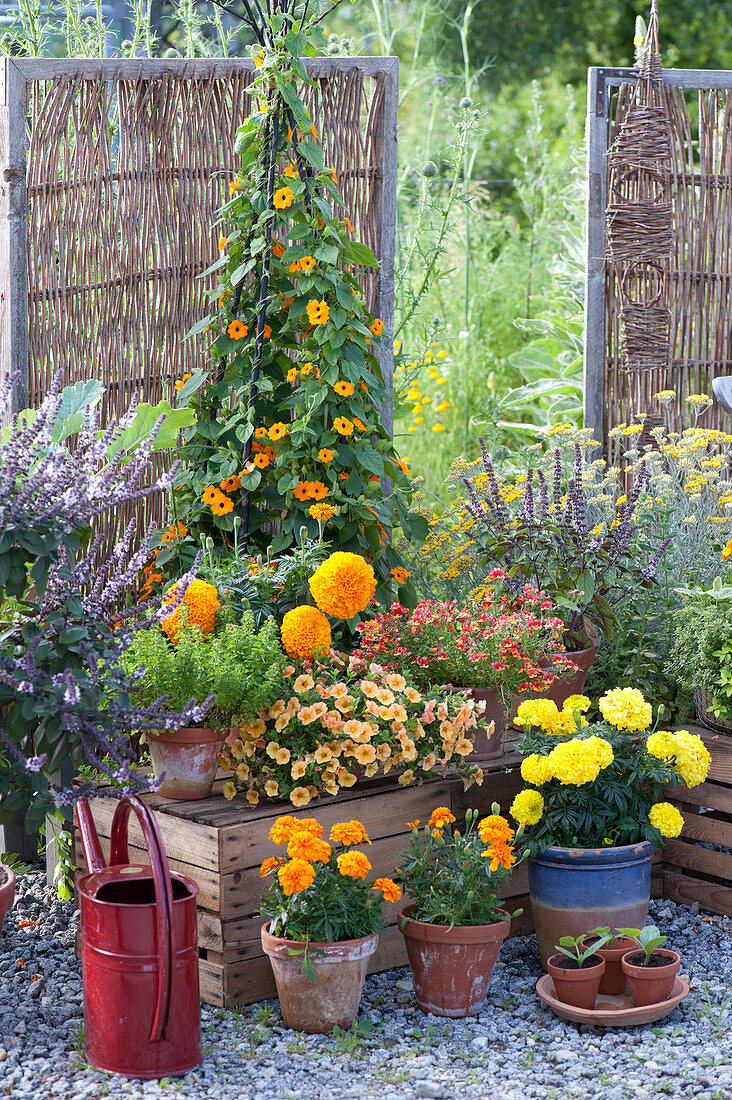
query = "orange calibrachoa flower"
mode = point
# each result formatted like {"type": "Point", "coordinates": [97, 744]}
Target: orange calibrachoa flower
{"type": "Point", "coordinates": [283, 198]}
{"type": "Point", "coordinates": [343, 425]}
{"type": "Point", "coordinates": [201, 602]}
{"type": "Point", "coordinates": [344, 389]}
{"type": "Point", "coordinates": [343, 585]}
{"type": "Point", "coordinates": [317, 311]}
{"type": "Point", "coordinates": [305, 632]}
{"type": "Point", "coordinates": [237, 330]}
{"type": "Point", "coordinates": [325, 455]}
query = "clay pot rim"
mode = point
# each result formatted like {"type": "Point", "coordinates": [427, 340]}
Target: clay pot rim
{"type": "Point", "coordinates": [575, 974]}
{"type": "Point", "coordinates": [651, 972]}
{"type": "Point", "coordinates": [614, 952]}
{"type": "Point", "coordinates": [458, 933]}
{"type": "Point", "coordinates": [191, 735]}
{"type": "Point", "coordinates": [277, 945]}
{"type": "Point", "coordinates": [615, 854]}
{"type": "Point", "coordinates": [9, 883]}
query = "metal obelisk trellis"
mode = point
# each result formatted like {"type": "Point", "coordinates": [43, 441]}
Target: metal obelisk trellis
{"type": "Point", "coordinates": [658, 305]}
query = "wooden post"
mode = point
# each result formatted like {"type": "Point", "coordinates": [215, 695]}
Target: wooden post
{"type": "Point", "coordinates": [388, 199]}
{"type": "Point", "coordinates": [13, 232]}
{"type": "Point", "coordinates": [594, 336]}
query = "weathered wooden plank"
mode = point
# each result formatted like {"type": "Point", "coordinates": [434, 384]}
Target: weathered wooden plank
{"type": "Point", "coordinates": [594, 334]}
{"type": "Point", "coordinates": [146, 68]}
{"type": "Point", "coordinates": [13, 232]}
{"type": "Point", "coordinates": [189, 842]}
{"type": "Point", "coordinates": [714, 795]}
{"type": "Point", "coordinates": [715, 898]}
{"type": "Point", "coordinates": [705, 861]}
{"type": "Point", "coordinates": [674, 78]}
{"type": "Point", "coordinates": [501, 787]}
{"type": "Point", "coordinates": [707, 827]}
{"type": "Point", "coordinates": [384, 197]}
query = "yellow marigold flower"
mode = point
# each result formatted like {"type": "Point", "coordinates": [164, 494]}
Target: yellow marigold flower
{"type": "Point", "coordinates": [296, 876]}
{"type": "Point", "coordinates": [692, 760]}
{"type": "Point", "coordinates": [666, 818]}
{"type": "Point", "coordinates": [305, 632]}
{"type": "Point", "coordinates": [626, 709]}
{"type": "Point", "coordinates": [283, 198]}
{"type": "Point", "coordinates": [389, 889]}
{"type": "Point", "coordinates": [527, 807]}
{"type": "Point", "coordinates": [348, 833]}
{"type": "Point", "coordinates": [577, 703]}
{"type": "Point", "coordinates": [494, 829]}
{"type": "Point", "coordinates": [343, 585]}
{"type": "Point", "coordinates": [322, 512]}
{"type": "Point", "coordinates": [661, 745]}
{"type": "Point", "coordinates": [602, 750]}
{"type": "Point", "coordinates": [202, 603]}
{"type": "Point", "coordinates": [353, 864]}
{"type": "Point", "coordinates": [536, 769]}
{"type": "Point", "coordinates": [572, 762]}
{"type": "Point", "coordinates": [304, 845]}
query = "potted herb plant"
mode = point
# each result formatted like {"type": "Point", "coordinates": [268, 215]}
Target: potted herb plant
{"type": "Point", "coordinates": [592, 808]}
{"type": "Point", "coordinates": [577, 970]}
{"type": "Point", "coordinates": [497, 646]}
{"type": "Point", "coordinates": [197, 654]}
{"type": "Point", "coordinates": [612, 949]}
{"type": "Point", "coordinates": [338, 721]}
{"type": "Point", "coordinates": [701, 660]}
{"type": "Point", "coordinates": [650, 969]}
{"type": "Point", "coordinates": [323, 920]}
{"type": "Point", "coordinates": [455, 926]}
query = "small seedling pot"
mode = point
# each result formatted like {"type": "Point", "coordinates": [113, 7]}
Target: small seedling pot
{"type": "Point", "coordinates": [650, 985]}
{"type": "Point", "coordinates": [614, 980]}
{"type": "Point", "coordinates": [577, 986]}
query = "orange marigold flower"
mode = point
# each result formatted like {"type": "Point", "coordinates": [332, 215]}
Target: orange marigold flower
{"type": "Point", "coordinates": [322, 512]}
{"type": "Point", "coordinates": [237, 330]}
{"type": "Point", "coordinates": [179, 385]}
{"type": "Point", "coordinates": [286, 826]}
{"type": "Point", "coordinates": [304, 845]}
{"type": "Point", "coordinates": [283, 198]}
{"type": "Point", "coordinates": [377, 327]}
{"type": "Point", "coordinates": [202, 603]}
{"type": "Point", "coordinates": [344, 389]}
{"type": "Point", "coordinates": [231, 484]}
{"type": "Point", "coordinates": [343, 585]}
{"type": "Point", "coordinates": [389, 889]}
{"type": "Point", "coordinates": [296, 876]}
{"type": "Point", "coordinates": [348, 833]}
{"type": "Point", "coordinates": [305, 632]}
{"type": "Point", "coordinates": [440, 817]}
{"type": "Point", "coordinates": [325, 455]}
{"type": "Point", "coordinates": [261, 460]}
{"type": "Point", "coordinates": [277, 431]}
{"type": "Point", "coordinates": [317, 311]}
{"type": "Point", "coordinates": [343, 426]}
{"type": "Point", "coordinates": [495, 829]}
{"type": "Point", "coordinates": [500, 855]}
{"type": "Point", "coordinates": [269, 865]}
{"type": "Point", "coordinates": [353, 864]}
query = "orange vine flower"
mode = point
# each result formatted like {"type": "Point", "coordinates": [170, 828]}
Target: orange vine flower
{"type": "Point", "coordinates": [344, 389]}
{"type": "Point", "coordinates": [237, 330]}
{"type": "Point", "coordinates": [283, 198]}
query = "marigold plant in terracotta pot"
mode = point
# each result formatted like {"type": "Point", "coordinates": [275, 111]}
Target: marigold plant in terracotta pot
{"type": "Point", "coordinates": [454, 927]}
{"type": "Point", "coordinates": [592, 808]}
{"type": "Point", "coordinates": [199, 654]}
{"type": "Point", "coordinates": [323, 920]}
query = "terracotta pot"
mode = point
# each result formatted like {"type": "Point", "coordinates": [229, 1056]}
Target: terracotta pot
{"type": "Point", "coordinates": [190, 760]}
{"type": "Point", "coordinates": [572, 682]}
{"type": "Point", "coordinates": [614, 980]}
{"type": "Point", "coordinates": [452, 967]}
{"type": "Point", "coordinates": [650, 985]}
{"type": "Point", "coordinates": [575, 890]}
{"type": "Point", "coordinates": [333, 998]}
{"type": "Point", "coordinates": [580, 986]}
{"type": "Point", "coordinates": [487, 746]}
{"type": "Point", "coordinates": [7, 892]}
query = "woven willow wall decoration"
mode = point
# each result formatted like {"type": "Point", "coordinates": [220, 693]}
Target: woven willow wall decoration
{"type": "Point", "coordinates": [640, 215]}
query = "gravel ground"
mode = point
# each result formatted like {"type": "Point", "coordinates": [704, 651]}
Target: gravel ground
{"type": "Point", "coordinates": [515, 1049]}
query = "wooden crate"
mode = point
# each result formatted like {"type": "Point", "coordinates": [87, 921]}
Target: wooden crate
{"type": "Point", "coordinates": [221, 844]}
{"type": "Point", "coordinates": [692, 873]}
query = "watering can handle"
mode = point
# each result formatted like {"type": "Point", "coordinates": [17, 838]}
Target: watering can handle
{"type": "Point", "coordinates": [89, 838]}
{"type": "Point", "coordinates": [119, 854]}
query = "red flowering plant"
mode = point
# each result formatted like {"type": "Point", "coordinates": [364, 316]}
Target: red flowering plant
{"type": "Point", "coordinates": [340, 720]}
{"type": "Point", "coordinates": [497, 640]}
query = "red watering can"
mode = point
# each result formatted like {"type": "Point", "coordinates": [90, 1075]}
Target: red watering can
{"type": "Point", "coordinates": [139, 954]}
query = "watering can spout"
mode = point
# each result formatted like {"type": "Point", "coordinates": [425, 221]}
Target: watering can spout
{"type": "Point", "coordinates": [89, 839]}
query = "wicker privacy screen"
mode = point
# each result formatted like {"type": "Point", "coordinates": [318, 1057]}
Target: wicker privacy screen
{"type": "Point", "coordinates": [658, 310]}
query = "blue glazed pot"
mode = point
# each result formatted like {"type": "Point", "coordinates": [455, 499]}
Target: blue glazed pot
{"type": "Point", "coordinates": [574, 890]}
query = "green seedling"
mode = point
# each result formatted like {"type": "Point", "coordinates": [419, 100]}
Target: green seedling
{"type": "Point", "coordinates": [571, 946]}
{"type": "Point", "coordinates": [648, 939]}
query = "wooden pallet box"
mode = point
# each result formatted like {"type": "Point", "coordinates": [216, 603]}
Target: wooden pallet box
{"type": "Point", "coordinates": [692, 873]}
{"type": "Point", "coordinates": [221, 844]}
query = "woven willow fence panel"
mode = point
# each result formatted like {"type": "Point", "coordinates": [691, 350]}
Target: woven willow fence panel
{"type": "Point", "coordinates": [699, 110]}
{"type": "Point", "coordinates": [116, 172]}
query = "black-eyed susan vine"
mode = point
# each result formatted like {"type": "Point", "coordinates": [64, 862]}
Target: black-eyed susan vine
{"type": "Point", "coordinates": [290, 417]}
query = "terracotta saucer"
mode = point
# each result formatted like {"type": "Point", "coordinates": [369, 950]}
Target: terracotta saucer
{"type": "Point", "coordinates": [612, 1011]}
